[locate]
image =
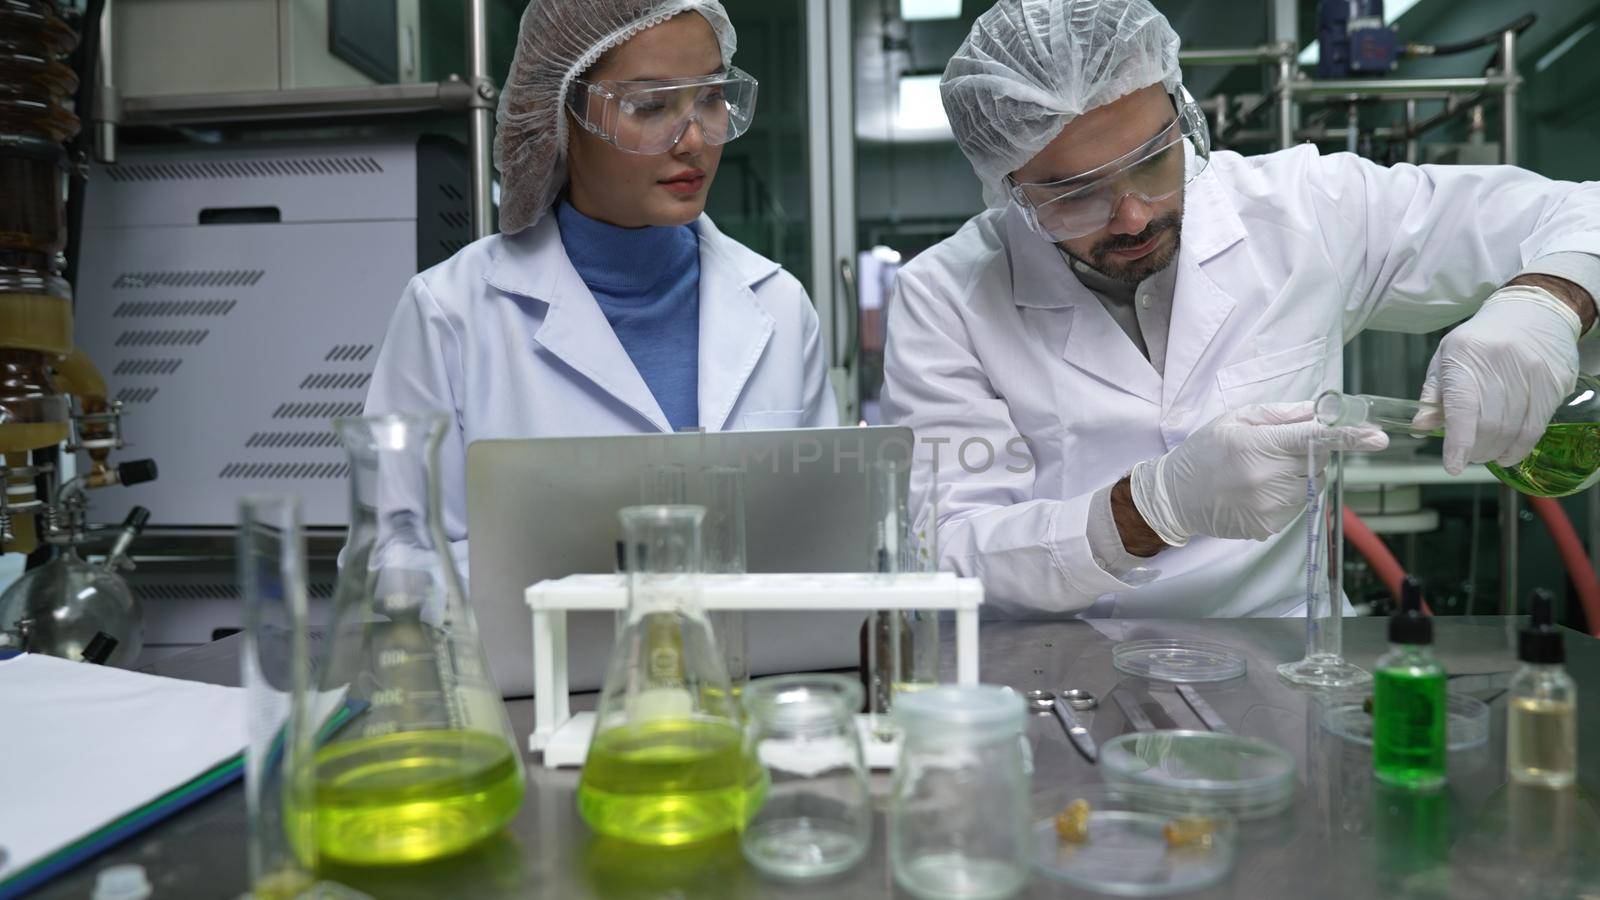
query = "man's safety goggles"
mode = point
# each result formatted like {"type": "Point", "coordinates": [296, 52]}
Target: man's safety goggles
{"type": "Point", "coordinates": [650, 117]}
{"type": "Point", "coordinates": [1083, 204]}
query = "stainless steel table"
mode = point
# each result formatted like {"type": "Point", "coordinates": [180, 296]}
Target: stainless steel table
{"type": "Point", "coordinates": [1343, 838]}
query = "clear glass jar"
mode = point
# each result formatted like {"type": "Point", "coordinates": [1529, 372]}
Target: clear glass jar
{"type": "Point", "coordinates": [958, 816]}
{"type": "Point", "coordinates": [816, 819]}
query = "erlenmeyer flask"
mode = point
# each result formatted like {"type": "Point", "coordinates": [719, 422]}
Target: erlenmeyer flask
{"type": "Point", "coordinates": [1565, 461]}
{"type": "Point", "coordinates": [665, 765]}
{"type": "Point", "coordinates": [428, 766]}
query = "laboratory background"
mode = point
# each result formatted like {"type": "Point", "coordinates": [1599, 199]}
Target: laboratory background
{"type": "Point", "coordinates": [236, 195]}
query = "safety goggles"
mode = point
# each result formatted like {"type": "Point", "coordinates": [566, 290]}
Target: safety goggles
{"type": "Point", "coordinates": [651, 117]}
{"type": "Point", "coordinates": [1083, 204]}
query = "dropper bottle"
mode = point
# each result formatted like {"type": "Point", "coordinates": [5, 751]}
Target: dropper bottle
{"type": "Point", "coordinates": [1541, 724]}
{"type": "Point", "coordinates": [1408, 700]}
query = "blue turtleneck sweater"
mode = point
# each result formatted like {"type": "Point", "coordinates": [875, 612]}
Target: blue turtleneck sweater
{"type": "Point", "coordinates": [647, 282]}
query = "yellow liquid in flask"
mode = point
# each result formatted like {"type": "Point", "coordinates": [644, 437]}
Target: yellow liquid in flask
{"type": "Point", "coordinates": [1566, 460]}
{"type": "Point", "coordinates": [412, 796]}
{"type": "Point", "coordinates": [668, 781]}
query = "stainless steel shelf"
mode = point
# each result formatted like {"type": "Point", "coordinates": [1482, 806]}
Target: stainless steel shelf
{"type": "Point", "coordinates": [300, 103]}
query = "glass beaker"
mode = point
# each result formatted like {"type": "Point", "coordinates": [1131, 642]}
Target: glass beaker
{"type": "Point", "coordinates": [724, 555]}
{"type": "Point", "coordinates": [275, 669]}
{"type": "Point", "coordinates": [901, 650]}
{"type": "Point", "coordinates": [816, 818]}
{"type": "Point", "coordinates": [959, 813]}
{"type": "Point", "coordinates": [1565, 461]}
{"type": "Point", "coordinates": [428, 767]}
{"type": "Point", "coordinates": [666, 764]}
{"type": "Point", "coordinates": [1324, 665]}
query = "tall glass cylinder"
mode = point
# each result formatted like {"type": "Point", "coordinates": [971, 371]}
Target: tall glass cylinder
{"type": "Point", "coordinates": [901, 649]}
{"type": "Point", "coordinates": [1324, 664]}
{"type": "Point", "coordinates": [275, 670]}
{"type": "Point", "coordinates": [666, 764]}
{"type": "Point", "coordinates": [725, 555]}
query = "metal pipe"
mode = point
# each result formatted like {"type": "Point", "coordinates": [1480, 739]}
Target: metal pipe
{"type": "Point", "coordinates": [1509, 499]}
{"type": "Point", "coordinates": [1508, 102]}
{"type": "Point", "coordinates": [1352, 130]}
{"type": "Point", "coordinates": [481, 118]}
{"type": "Point", "coordinates": [1285, 102]}
{"type": "Point", "coordinates": [1397, 88]}
{"type": "Point", "coordinates": [1233, 56]}
{"type": "Point", "coordinates": [106, 111]}
{"type": "Point", "coordinates": [1509, 509]}
{"type": "Point", "coordinates": [1412, 146]}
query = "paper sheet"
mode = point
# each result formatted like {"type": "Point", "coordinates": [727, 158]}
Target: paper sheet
{"type": "Point", "coordinates": [83, 744]}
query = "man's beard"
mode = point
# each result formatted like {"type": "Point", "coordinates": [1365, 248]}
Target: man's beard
{"type": "Point", "coordinates": [1136, 270]}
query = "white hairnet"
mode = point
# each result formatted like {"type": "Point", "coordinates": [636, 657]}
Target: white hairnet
{"type": "Point", "coordinates": [558, 41]}
{"type": "Point", "coordinates": [1031, 66]}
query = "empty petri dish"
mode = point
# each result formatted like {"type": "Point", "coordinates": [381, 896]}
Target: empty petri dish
{"type": "Point", "coordinates": [1123, 847]}
{"type": "Point", "coordinates": [1181, 661]}
{"type": "Point", "coordinates": [1466, 724]}
{"type": "Point", "coordinates": [1186, 770]}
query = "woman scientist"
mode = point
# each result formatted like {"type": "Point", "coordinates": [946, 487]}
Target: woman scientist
{"type": "Point", "coordinates": [609, 303]}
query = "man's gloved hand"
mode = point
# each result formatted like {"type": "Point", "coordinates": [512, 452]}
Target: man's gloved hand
{"type": "Point", "coordinates": [1497, 377]}
{"type": "Point", "coordinates": [1242, 475]}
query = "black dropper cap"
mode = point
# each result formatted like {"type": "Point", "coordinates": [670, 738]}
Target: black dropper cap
{"type": "Point", "coordinates": [1540, 642]}
{"type": "Point", "coordinates": [1409, 625]}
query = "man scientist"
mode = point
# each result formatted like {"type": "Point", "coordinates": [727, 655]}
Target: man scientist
{"type": "Point", "coordinates": [1154, 319]}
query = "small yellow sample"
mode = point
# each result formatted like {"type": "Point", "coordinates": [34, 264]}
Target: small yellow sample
{"type": "Point", "coordinates": [1072, 824]}
{"type": "Point", "coordinates": [1190, 832]}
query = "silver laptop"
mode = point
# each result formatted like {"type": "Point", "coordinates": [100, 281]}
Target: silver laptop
{"type": "Point", "coordinates": [543, 508]}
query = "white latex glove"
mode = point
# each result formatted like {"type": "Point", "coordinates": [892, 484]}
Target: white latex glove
{"type": "Point", "coordinates": [1242, 475]}
{"type": "Point", "coordinates": [1497, 377]}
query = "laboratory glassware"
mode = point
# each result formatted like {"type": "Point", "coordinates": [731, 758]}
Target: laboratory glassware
{"type": "Point", "coordinates": [959, 812]}
{"type": "Point", "coordinates": [1408, 700]}
{"type": "Point", "coordinates": [666, 765]}
{"type": "Point", "coordinates": [276, 669]}
{"type": "Point", "coordinates": [902, 646]}
{"type": "Point", "coordinates": [1541, 719]}
{"type": "Point", "coordinates": [816, 817]}
{"type": "Point", "coordinates": [723, 533]}
{"type": "Point", "coordinates": [1565, 461]}
{"type": "Point", "coordinates": [1324, 665]}
{"type": "Point", "coordinates": [1125, 841]}
{"type": "Point", "coordinates": [664, 484]}
{"type": "Point", "coordinates": [75, 609]}
{"type": "Point", "coordinates": [1248, 777]}
{"type": "Point", "coordinates": [1178, 661]}
{"type": "Point", "coordinates": [429, 766]}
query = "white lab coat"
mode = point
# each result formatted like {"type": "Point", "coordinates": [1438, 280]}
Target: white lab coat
{"type": "Point", "coordinates": [1284, 258]}
{"type": "Point", "coordinates": [506, 339]}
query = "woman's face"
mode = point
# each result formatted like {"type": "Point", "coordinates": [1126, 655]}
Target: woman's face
{"type": "Point", "coordinates": [630, 190]}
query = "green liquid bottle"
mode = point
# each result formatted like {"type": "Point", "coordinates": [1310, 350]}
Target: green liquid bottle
{"type": "Point", "coordinates": [1408, 701]}
{"type": "Point", "coordinates": [1565, 461]}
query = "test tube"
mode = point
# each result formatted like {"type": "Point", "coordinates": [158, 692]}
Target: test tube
{"type": "Point", "coordinates": [276, 672]}
{"type": "Point", "coordinates": [724, 550]}
{"type": "Point", "coordinates": [901, 645]}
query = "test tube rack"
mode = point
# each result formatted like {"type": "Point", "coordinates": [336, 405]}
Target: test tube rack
{"type": "Point", "coordinates": [563, 737]}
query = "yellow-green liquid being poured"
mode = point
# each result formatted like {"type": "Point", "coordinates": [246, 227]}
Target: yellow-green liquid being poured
{"type": "Point", "coordinates": [1566, 460]}
{"type": "Point", "coordinates": [412, 796]}
{"type": "Point", "coordinates": [668, 781]}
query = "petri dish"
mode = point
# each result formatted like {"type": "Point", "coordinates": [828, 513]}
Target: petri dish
{"type": "Point", "coordinates": [1187, 770]}
{"type": "Point", "coordinates": [1466, 722]}
{"type": "Point", "coordinates": [1125, 851]}
{"type": "Point", "coordinates": [1179, 661]}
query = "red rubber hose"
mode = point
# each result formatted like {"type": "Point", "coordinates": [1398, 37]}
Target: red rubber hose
{"type": "Point", "coordinates": [1579, 569]}
{"type": "Point", "coordinates": [1377, 554]}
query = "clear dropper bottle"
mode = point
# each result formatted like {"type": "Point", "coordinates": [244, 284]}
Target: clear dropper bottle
{"type": "Point", "coordinates": [1408, 700]}
{"type": "Point", "coordinates": [1541, 722]}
